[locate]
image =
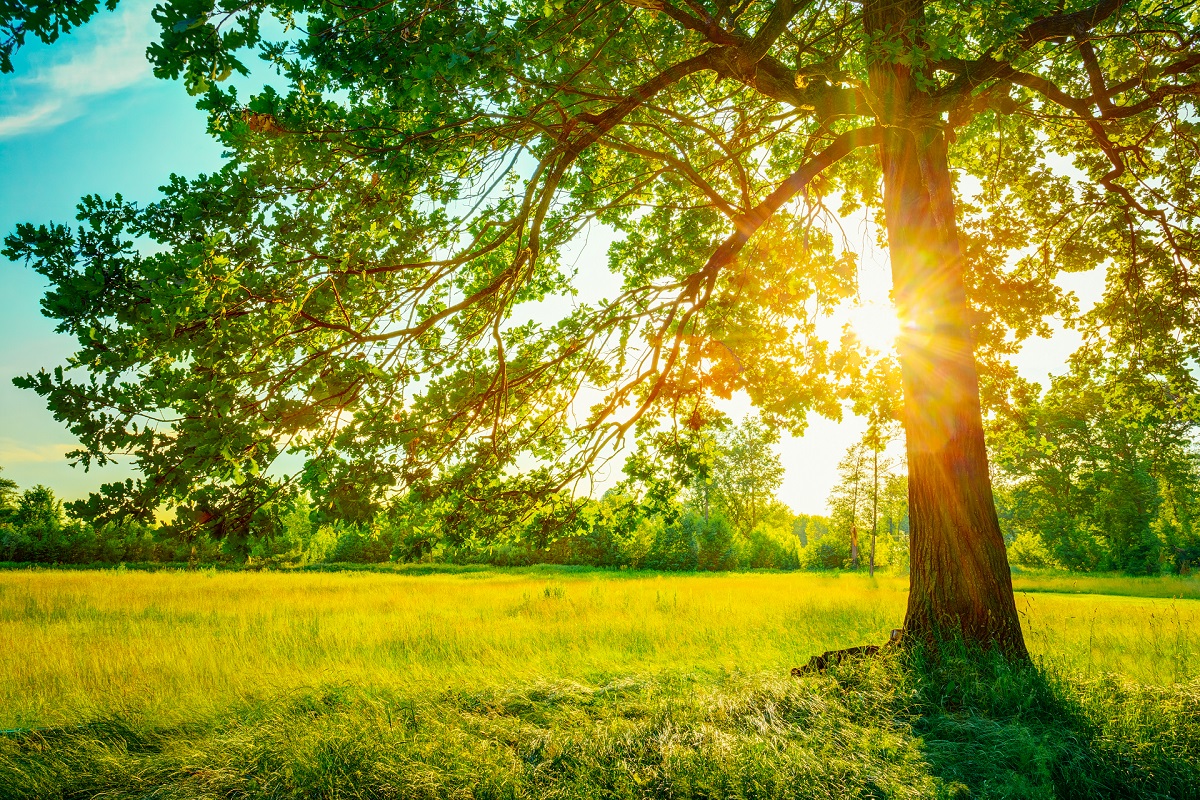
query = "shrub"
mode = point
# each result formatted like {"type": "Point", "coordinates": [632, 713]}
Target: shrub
{"type": "Point", "coordinates": [770, 546]}
{"type": "Point", "coordinates": [1028, 550]}
{"type": "Point", "coordinates": [674, 547]}
{"type": "Point", "coordinates": [716, 547]}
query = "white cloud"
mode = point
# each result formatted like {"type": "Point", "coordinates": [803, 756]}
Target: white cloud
{"type": "Point", "coordinates": [108, 55]}
{"type": "Point", "coordinates": [46, 114]}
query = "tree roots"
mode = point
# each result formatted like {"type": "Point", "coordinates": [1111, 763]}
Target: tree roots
{"type": "Point", "coordinates": [830, 657]}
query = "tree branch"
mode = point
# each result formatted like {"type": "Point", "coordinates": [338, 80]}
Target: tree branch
{"type": "Point", "coordinates": [747, 224]}
{"type": "Point", "coordinates": [973, 73]}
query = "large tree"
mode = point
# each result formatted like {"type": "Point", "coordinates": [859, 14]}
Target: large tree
{"type": "Point", "coordinates": [356, 284]}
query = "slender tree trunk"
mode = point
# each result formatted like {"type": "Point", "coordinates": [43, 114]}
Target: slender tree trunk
{"type": "Point", "coordinates": [960, 579]}
{"type": "Point", "coordinates": [874, 505]}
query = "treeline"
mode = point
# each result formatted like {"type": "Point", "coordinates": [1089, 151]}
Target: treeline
{"type": "Point", "coordinates": [615, 531]}
{"type": "Point", "coordinates": [1090, 475]}
{"type": "Point", "coordinates": [703, 500]}
{"type": "Point", "coordinates": [33, 528]}
{"type": "Point", "coordinates": [1100, 472]}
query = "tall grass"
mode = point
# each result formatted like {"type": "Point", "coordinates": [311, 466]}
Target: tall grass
{"type": "Point", "coordinates": [174, 646]}
{"type": "Point", "coordinates": [893, 727]}
{"type": "Point", "coordinates": [1061, 582]}
{"type": "Point", "coordinates": [572, 684]}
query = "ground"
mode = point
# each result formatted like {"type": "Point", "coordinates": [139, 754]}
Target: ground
{"type": "Point", "coordinates": [579, 683]}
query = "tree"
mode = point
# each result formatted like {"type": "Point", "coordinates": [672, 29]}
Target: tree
{"type": "Point", "coordinates": [8, 498]}
{"type": "Point", "coordinates": [808, 528]}
{"type": "Point", "coordinates": [39, 509]}
{"type": "Point", "coordinates": [746, 474]}
{"type": "Point", "coordinates": [356, 281]}
{"type": "Point", "coordinates": [845, 503]}
{"type": "Point", "coordinates": [1103, 478]}
{"type": "Point", "coordinates": [893, 519]}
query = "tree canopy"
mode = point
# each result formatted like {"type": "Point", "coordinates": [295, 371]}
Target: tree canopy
{"type": "Point", "coordinates": [369, 281]}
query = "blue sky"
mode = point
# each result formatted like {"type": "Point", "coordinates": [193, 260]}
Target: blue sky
{"type": "Point", "coordinates": [79, 117]}
{"type": "Point", "coordinates": [86, 116]}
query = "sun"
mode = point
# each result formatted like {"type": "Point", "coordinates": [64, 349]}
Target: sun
{"type": "Point", "coordinates": [875, 325]}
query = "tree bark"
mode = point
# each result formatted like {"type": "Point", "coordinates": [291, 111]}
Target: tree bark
{"type": "Point", "coordinates": [960, 579]}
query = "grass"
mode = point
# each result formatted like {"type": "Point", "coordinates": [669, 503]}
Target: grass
{"type": "Point", "coordinates": [1113, 583]}
{"type": "Point", "coordinates": [570, 683]}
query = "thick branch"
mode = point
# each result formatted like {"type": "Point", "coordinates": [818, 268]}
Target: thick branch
{"type": "Point", "coordinates": [776, 23]}
{"type": "Point", "coordinates": [973, 73]}
{"type": "Point", "coordinates": [1091, 63]}
{"type": "Point", "coordinates": [747, 224]}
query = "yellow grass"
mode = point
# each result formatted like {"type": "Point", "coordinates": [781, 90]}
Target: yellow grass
{"type": "Point", "coordinates": [174, 646]}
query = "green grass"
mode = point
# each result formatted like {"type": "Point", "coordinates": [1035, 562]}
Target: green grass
{"type": "Point", "coordinates": [573, 684]}
{"type": "Point", "coordinates": [1058, 581]}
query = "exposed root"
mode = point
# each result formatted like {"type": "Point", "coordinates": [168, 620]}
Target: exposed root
{"type": "Point", "coordinates": [830, 657]}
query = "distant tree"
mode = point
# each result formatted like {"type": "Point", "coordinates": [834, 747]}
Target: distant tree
{"type": "Point", "coordinates": [1103, 477]}
{"type": "Point", "coordinates": [8, 498]}
{"type": "Point", "coordinates": [893, 515]}
{"type": "Point", "coordinates": [846, 500]}
{"type": "Point", "coordinates": [39, 509]}
{"type": "Point", "coordinates": [676, 546]}
{"type": "Point", "coordinates": [870, 495]}
{"type": "Point", "coordinates": [746, 473]}
{"type": "Point", "coordinates": [808, 528]}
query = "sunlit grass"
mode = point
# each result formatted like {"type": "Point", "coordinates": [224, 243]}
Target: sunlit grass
{"type": "Point", "coordinates": [173, 646]}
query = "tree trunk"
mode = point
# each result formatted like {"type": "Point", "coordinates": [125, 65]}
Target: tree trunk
{"type": "Point", "coordinates": [875, 505]}
{"type": "Point", "coordinates": [960, 579]}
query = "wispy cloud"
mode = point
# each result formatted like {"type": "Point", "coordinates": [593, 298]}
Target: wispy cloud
{"type": "Point", "coordinates": [107, 55]}
{"type": "Point", "coordinates": [14, 452]}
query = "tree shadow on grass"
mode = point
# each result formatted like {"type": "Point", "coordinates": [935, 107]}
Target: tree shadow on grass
{"type": "Point", "coordinates": [967, 724]}
{"type": "Point", "coordinates": [1000, 729]}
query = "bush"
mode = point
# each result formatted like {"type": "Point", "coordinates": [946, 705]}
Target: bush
{"type": "Point", "coordinates": [1028, 550]}
{"type": "Point", "coordinates": [716, 547]}
{"type": "Point", "coordinates": [827, 552]}
{"type": "Point", "coordinates": [361, 544]}
{"type": "Point", "coordinates": [674, 547]}
{"type": "Point", "coordinates": [770, 546]}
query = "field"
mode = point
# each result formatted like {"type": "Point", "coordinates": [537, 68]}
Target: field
{"type": "Point", "coordinates": [547, 682]}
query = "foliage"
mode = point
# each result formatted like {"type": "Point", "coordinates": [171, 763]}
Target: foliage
{"type": "Point", "coordinates": [1028, 550]}
{"type": "Point", "coordinates": [45, 20]}
{"type": "Point", "coordinates": [354, 285]}
{"type": "Point", "coordinates": [8, 498]}
{"type": "Point", "coordinates": [808, 527]}
{"type": "Point", "coordinates": [1105, 478]}
{"type": "Point", "coordinates": [772, 544]}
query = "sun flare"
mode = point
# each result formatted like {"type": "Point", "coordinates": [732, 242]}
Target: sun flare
{"type": "Point", "coordinates": [875, 325]}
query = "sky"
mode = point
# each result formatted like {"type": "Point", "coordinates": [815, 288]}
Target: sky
{"type": "Point", "coordinates": [86, 116]}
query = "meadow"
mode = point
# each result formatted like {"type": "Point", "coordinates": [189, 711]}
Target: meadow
{"type": "Point", "coordinates": [573, 683]}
